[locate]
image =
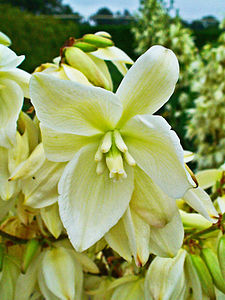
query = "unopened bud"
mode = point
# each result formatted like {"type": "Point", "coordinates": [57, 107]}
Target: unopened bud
{"type": "Point", "coordinates": [86, 47]}
{"type": "Point", "coordinates": [30, 251]}
{"type": "Point", "coordinates": [97, 40]}
{"type": "Point", "coordinates": [221, 254]}
{"type": "Point", "coordinates": [79, 60]}
{"type": "Point", "coordinates": [103, 34]}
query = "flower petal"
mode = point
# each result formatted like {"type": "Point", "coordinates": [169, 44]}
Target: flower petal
{"type": "Point", "coordinates": [112, 54]}
{"type": "Point", "coordinates": [104, 69]}
{"type": "Point", "coordinates": [122, 68]}
{"type": "Point", "coordinates": [150, 202]}
{"type": "Point", "coordinates": [166, 241]}
{"type": "Point", "coordinates": [207, 178]}
{"type": "Point", "coordinates": [40, 189]}
{"type": "Point", "coordinates": [21, 77]}
{"type": "Point", "coordinates": [117, 239]}
{"type": "Point", "coordinates": [8, 58]}
{"type": "Point", "coordinates": [71, 107]}
{"type": "Point", "coordinates": [201, 202]}
{"type": "Point", "coordinates": [158, 153]}
{"type": "Point", "coordinates": [11, 101]}
{"type": "Point", "coordinates": [91, 204]}
{"type": "Point", "coordinates": [60, 146]}
{"type": "Point", "coordinates": [149, 83]}
{"type": "Point", "coordinates": [50, 216]}
{"type": "Point", "coordinates": [75, 75]}
{"type": "Point", "coordinates": [138, 232]}
{"type": "Point", "coordinates": [59, 273]}
{"type": "Point", "coordinates": [163, 276]}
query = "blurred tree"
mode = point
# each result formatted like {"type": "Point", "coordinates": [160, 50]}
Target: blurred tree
{"type": "Point", "coordinates": [103, 16]}
{"type": "Point", "coordinates": [207, 119]}
{"type": "Point", "coordinates": [48, 7]}
{"type": "Point", "coordinates": [154, 25]}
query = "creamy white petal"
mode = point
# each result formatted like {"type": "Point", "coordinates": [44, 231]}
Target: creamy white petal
{"type": "Point", "coordinates": [157, 151]}
{"type": "Point", "coordinates": [122, 68]}
{"type": "Point", "coordinates": [163, 276]}
{"type": "Point", "coordinates": [207, 178]}
{"type": "Point", "coordinates": [71, 107]}
{"type": "Point", "coordinates": [166, 241]}
{"type": "Point", "coordinates": [150, 202]}
{"type": "Point", "coordinates": [91, 204]}
{"type": "Point", "coordinates": [31, 165]}
{"type": "Point", "coordinates": [60, 146]}
{"type": "Point", "coordinates": [113, 54]}
{"type": "Point", "coordinates": [118, 240]}
{"type": "Point", "coordinates": [21, 77]}
{"type": "Point", "coordinates": [59, 273]}
{"type": "Point", "coordinates": [11, 101]}
{"type": "Point", "coordinates": [8, 58]}
{"type": "Point", "coordinates": [104, 69]}
{"type": "Point", "coordinates": [133, 290]}
{"type": "Point", "coordinates": [138, 232]}
{"type": "Point", "coordinates": [75, 75]}
{"type": "Point", "coordinates": [50, 216]}
{"type": "Point", "coordinates": [201, 202]}
{"type": "Point", "coordinates": [149, 83]}
{"type": "Point", "coordinates": [40, 189]}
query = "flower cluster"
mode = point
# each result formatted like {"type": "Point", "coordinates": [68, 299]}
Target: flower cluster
{"type": "Point", "coordinates": [96, 196]}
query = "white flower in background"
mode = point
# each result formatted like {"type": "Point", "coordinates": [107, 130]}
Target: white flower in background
{"type": "Point", "coordinates": [113, 142]}
{"type": "Point", "coordinates": [13, 87]}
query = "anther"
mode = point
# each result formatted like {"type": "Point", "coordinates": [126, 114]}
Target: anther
{"type": "Point", "coordinates": [100, 167]}
{"type": "Point", "coordinates": [119, 141]}
{"type": "Point", "coordinates": [129, 159]}
{"type": "Point", "coordinates": [107, 142]}
{"type": "Point", "coordinates": [98, 154]}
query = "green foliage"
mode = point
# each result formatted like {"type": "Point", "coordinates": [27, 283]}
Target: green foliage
{"type": "Point", "coordinates": [38, 37]}
{"type": "Point", "coordinates": [207, 122]}
{"type": "Point", "coordinates": [155, 26]}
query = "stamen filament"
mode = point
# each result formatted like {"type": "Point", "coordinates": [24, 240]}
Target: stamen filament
{"type": "Point", "coordinates": [119, 141]}
{"type": "Point", "coordinates": [100, 167]}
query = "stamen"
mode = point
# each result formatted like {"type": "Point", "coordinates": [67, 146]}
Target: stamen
{"type": "Point", "coordinates": [107, 142]}
{"type": "Point", "coordinates": [119, 141]}
{"type": "Point", "coordinates": [100, 167]}
{"type": "Point", "coordinates": [129, 159]}
{"type": "Point", "coordinates": [98, 154]}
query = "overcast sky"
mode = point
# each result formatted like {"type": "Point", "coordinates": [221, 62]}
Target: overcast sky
{"type": "Point", "coordinates": [189, 9]}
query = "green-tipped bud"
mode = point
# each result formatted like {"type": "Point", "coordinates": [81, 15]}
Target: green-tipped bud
{"type": "Point", "coordinates": [221, 255]}
{"type": "Point", "coordinates": [98, 41]}
{"type": "Point", "coordinates": [104, 34]}
{"type": "Point", "coordinates": [82, 62]}
{"type": "Point", "coordinates": [212, 263]}
{"type": "Point", "coordinates": [2, 250]}
{"type": "Point", "coordinates": [204, 276]}
{"type": "Point", "coordinates": [30, 251]}
{"type": "Point", "coordinates": [85, 46]}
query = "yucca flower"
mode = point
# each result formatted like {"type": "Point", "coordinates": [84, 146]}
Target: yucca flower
{"type": "Point", "coordinates": [114, 145]}
{"type": "Point", "coordinates": [13, 87]}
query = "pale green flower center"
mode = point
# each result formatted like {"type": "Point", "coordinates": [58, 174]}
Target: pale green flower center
{"type": "Point", "coordinates": [112, 152]}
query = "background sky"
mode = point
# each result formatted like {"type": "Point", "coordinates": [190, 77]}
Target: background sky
{"type": "Point", "coordinates": [189, 9]}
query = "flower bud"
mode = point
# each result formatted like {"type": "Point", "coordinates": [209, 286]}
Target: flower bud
{"type": "Point", "coordinates": [82, 62]}
{"type": "Point", "coordinates": [212, 263]}
{"type": "Point", "coordinates": [97, 40]}
{"type": "Point", "coordinates": [221, 254]}
{"type": "Point", "coordinates": [204, 275]}
{"type": "Point", "coordinates": [30, 251]}
{"type": "Point", "coordinates": [86, 47]}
